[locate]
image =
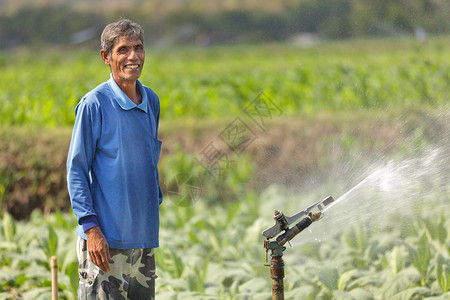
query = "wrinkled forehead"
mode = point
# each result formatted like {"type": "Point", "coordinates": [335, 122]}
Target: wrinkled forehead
{"type": "Point", "coordinates": [129, 39]}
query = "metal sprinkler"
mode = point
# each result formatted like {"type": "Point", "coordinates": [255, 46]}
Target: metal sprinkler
{"type": "Point", "coordinates": [276, 246]}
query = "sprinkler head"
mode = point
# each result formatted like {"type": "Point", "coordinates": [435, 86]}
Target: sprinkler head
{"type": "Point", "coordinates": [283, 222]}
{"type": "Point", "coordinates": [280, 219]}
{"type": "Point", "coordinates": [314, 216]}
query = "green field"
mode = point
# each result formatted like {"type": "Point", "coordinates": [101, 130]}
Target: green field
{"type": "Point", "coordinates": [216, 253]}
{"type": "Point", "coordinates": [41, 89]}
{"type": "Point", "coordinates": [369, 114]}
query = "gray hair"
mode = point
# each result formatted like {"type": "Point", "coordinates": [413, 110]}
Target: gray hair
{"type": "Point", "coordinates": [121, 28]}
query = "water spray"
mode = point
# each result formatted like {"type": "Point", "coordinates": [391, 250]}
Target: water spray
{"type": "Point", "coordinates": [276, 245]}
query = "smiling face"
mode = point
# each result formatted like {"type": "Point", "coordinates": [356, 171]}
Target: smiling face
{"type": "Point", "coordinates": [126, 59]}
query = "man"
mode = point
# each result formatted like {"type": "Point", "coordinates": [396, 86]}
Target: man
{"type": "Point", "coordinates": [112, 174]}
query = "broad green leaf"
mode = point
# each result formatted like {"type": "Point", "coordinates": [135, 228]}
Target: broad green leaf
{"type": "Point", "coordinates": [441, 231]}
{"type": "Point", "coordinates": [345, 278]}
{"type": "Point", "coordinates": [69, 257]}
{"type": "Point", "coordinates": [367, 281]}
{"type": "Point", "coordinates": [52, 241]}
{"type": "Point", "coordinates": [21, 280]}
{"type": "Point", "coordinates": [193, 283]}
{"type": "Point", "coordinates": [436, 230]}
{"type": "Point", "coordinates": [373, 250]}
{"type": "Point", "coordinates": [6, 296]}
{"type": "Point", "coordinates": [41, 293]}
{"type": "Point", "coordinates": [414, 257]}
{"type": "Point", "coordinates": [413, 293]}
{"type": "Point", "coordinates": [400, 282]}
{"type": "Point", "coordinates": [177, 263]}
{"type": "Point", "coordinates": [8, 246]}
{"type": "Point", "coordinates": [69, 295]}
{"type": "Point", "coordinates": [9, 227]}
{"type": "Point", "coordinates": [72, 273]}
{"type": "Point", "coordinates": [420, 258]}
{"type": "Point", "coordinates": [441, 297]}
{"type": "Point", "coordinates": [362, 294]}
{"type": "Point", "coordinates": [206, 262]}
{"type": "Point", "coordinates": [423, 251]}
{"type": "Point", "coordinates": [300, 293]}
{"type": "Point", "coordinates": [397, 261]}
{"type": "Point", "coordinates": [253, 285]}
{"type": "Point", "coordinates": [443, 273]}
{"type": "Point", "coordinates": [329, 278]}
{"type": "Point", "coordinates": [343, 295]}
{"type": "Point", "coordinates": [357, 238]}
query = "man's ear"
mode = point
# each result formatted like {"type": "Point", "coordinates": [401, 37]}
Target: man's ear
{"type": "Point", "coordinates": [105, 57]}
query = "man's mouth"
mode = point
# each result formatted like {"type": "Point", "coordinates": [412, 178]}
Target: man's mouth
{"type": "Point", "coordinates": [132, 67]}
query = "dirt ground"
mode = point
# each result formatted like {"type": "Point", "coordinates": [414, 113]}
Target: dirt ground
{"type": "Point", "coordinates": [287, 151]}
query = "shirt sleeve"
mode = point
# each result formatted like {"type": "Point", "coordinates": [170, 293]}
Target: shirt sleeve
{"type": "Point", "coordinates": [80, 158]}
{"type": "Point", "coordinates": [88, 222]}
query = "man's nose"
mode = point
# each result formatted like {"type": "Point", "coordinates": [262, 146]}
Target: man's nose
{"type": "Point", "coordinates": [132, 54]}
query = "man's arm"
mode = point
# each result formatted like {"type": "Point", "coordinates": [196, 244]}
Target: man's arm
{"type": "Point", "coordinates": [80, 159]}
{"type": "Point", "coordinates": [79, 162]}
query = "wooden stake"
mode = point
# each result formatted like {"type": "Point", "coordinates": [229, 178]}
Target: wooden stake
{"type": "Point", "coordinates": [54, 267]}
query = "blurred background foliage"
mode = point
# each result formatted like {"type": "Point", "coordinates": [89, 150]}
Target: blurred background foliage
{"type": "Point", "coordinates": [63, 22]}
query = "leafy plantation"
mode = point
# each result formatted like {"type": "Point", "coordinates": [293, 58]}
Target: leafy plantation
{"type": "Point", "coordinates": [42, 89]}
{"type": "Point", "coordinates": [215, 252]}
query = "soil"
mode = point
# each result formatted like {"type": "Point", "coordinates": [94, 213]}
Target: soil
{"type": "Point", "coordinates": [288, 151]}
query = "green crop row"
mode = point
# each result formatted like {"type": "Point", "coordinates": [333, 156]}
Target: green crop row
{"type": "Point", "coordinates": [42, 89]}
{"type": "Point", "coordinates": [216, 252]}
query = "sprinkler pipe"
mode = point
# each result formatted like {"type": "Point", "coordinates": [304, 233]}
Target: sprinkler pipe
{"type": "Point", "coordinates": [276, 245]}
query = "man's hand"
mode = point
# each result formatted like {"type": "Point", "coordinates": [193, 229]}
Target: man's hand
{"type": "Point", "coordinates": [98, 248]}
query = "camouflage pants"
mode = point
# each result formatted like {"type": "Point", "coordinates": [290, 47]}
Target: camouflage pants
{"type": "Point", "coordinates": [132, 275]}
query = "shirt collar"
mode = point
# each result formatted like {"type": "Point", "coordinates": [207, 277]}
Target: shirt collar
{"type": "Point", "coordinates": [123, 100]}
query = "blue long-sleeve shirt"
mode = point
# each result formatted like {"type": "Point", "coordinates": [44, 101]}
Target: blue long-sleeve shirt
{"type": "Point", "coordinates": [112, 173]}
